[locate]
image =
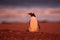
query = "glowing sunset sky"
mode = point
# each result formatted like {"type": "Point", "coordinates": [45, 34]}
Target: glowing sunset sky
{"type": "Point", "coordinates": [17, 10]}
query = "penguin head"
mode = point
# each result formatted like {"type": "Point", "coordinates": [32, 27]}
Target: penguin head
{"type": "Point", "coordinates": [32, 14]}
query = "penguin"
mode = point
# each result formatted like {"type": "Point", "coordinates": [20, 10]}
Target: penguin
{"type": "Point", "coordinates": [33, 23]}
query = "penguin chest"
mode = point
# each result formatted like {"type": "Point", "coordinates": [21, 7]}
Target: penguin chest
{"type": "Point", "coordinates": [33, 25]}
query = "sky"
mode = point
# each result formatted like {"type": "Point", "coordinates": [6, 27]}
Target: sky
{"type": "Point", "coordinates": [17, 10]}
{"type": "Point", "coordinates": [30, 2]}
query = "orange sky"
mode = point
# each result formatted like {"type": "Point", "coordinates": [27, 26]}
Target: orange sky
{"type": "Point", "coordinates": [21, 13]}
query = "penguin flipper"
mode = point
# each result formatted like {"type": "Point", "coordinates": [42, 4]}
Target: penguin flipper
{"type": "Point", "coordinates": [38, 25]}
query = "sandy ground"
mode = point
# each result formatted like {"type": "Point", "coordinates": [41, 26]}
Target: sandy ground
{"type": "Point", "coordinates": [18, 35]}
{"type": "Point", "coordinates": [44, 27]}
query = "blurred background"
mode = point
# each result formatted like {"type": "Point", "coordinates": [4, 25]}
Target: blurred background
{"type": "Point", "coordinates": [17, 10]}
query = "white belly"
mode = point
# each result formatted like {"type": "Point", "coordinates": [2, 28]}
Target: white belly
{"type": "Point", "coordinates": [33, 25]}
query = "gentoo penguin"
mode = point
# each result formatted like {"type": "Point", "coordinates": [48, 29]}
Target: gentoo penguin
{"type": "Point", "coordinates": [33, 24]}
